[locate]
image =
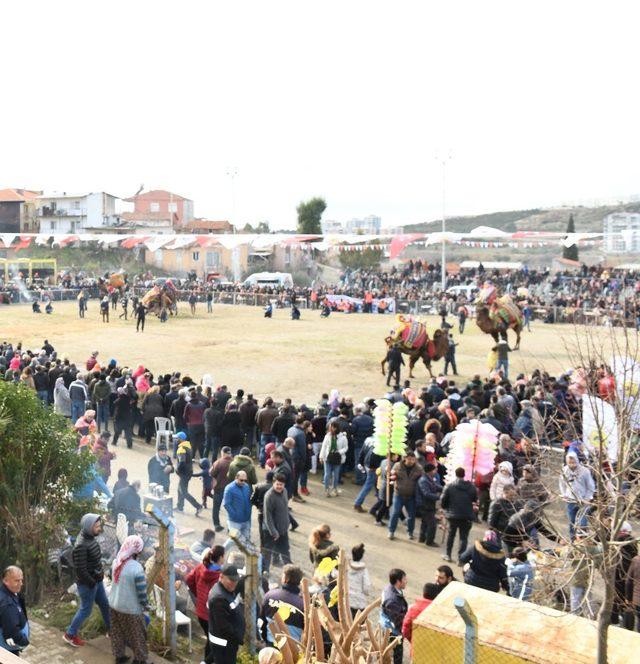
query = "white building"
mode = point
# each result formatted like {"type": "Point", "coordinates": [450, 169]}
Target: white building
{"type": "Point", "coordinates": [330, 226]}
{"type": "Point", "coordinates": [368, 226]}
{"type": "Point", "coordinates": [622, 233]}
{"type": "Point", "coordinates": [76, 213]}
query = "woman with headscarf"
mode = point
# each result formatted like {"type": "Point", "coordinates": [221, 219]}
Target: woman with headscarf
{"type": "Point", "coordinates": [503, 477]}
{"type": "Point", "coordinates": [486, 564]}
{"type": "Point", "coordinates": [230, 431]}
{"type": "Point", "coordinates": [86, 423]}
{"type": "Point", "coordinates": [61, 399]}
{"type": "Point", "coordinates": [128, 602]}
{"type": "Point", "coordinates": [26, 378]}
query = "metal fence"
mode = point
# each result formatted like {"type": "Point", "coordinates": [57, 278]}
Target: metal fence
{"type": "Point", "coordinates": [547, 314]}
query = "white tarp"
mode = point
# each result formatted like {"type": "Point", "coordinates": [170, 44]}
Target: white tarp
{"type": "Point", "coordinates": [281, 278]}
{"type": "Point", "coordinates": [599, 426]}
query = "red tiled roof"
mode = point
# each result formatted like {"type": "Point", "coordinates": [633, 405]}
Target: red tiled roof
{"type": "Point", "coordinates": [205, 225]}
{"type": "Point", "coordinates": [17, 195]}
{"type": "Point", "coordinates": [157, 195]}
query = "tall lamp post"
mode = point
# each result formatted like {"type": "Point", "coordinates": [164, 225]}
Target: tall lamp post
{"type": "Point", "coordinates": [233, 173]}
{"type": "Point", "coordinates": [443, 162]}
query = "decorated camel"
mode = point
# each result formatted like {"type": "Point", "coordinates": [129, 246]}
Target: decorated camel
{"type": "Point", "coordinates": [496, 315]}
{"type": "Point", "coordinates": [110, 282]}
{"type": "Point", "coordinates": [161, 297]}
{"type": "Point", "coordinates": [412, 339]}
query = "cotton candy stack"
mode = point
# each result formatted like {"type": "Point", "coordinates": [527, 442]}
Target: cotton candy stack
{"type": "Point", "coordinates": [473, 447]}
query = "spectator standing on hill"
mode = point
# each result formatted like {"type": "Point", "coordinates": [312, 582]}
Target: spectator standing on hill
{"type": "Point", "coordinates": [220, 478]}
{"type": "Point", "coordinates": [394, 608]}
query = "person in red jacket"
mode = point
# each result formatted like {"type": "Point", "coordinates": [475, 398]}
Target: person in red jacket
{"type": "Point", "coordinates": [200, 580]}
{"type": "Point", "coordinates": [429, 593]}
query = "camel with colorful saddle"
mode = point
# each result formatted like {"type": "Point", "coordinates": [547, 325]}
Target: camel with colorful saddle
{"type": "Point", "coordinates": [495, 315]}
{"type": "Point", "coordinates": [411, 338]}
{"type": "Point", "coordinates": [161, 297]}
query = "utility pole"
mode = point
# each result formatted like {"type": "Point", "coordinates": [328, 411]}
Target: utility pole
{"type": "Point", "coordinates": [443, 162]}
{"type": "Point", "coordinates": [232, 173]}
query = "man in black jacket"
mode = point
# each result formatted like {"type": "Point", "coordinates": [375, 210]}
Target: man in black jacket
{"type": "Point", "coordinates": [427, 495]}
{"type": "Point", "coordinates": [395, 361]}
{"type": "Point", "coordinates": [502, 509]}
{"type": "Point", "coordinates": [282, 424]}
{"type": "Point", "coordinates": [13, 613]}
{"type": "Point", "coordinates": [226, 618]}
{"type": "Point", "coordinates": [87, 562]}
{"type": "Point", "coordinates": [459, 500]}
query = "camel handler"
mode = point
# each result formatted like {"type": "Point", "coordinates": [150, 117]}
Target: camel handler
{"type": "Point", "coordinates": [394, 362]}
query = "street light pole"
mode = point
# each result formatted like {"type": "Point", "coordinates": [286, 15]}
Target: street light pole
{"type": "Point", "coordinates": [443, 163]}
{"type": "Point", "coordinates": [232, 174]}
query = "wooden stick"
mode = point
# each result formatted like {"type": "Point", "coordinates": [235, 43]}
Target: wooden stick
{"type": "Point", "coordinates": [306, 601]}
{"type": "Point", "coordinates": [317, 634]}
{"type": "Point", "coordinates": [283, 629]}
{"type": "Point", "coordinates": [360, 618]}
{"type": "Point", "coordinates": [287, 658]}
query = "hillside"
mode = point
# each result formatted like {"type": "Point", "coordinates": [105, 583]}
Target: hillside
{"type": "Point", "coordinates": [587, 219]}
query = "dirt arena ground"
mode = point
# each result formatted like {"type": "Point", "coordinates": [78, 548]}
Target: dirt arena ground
{"type": "Point", "coordinates": [302, 359]}
{"type": "Point", "coordinates": [278, 357]}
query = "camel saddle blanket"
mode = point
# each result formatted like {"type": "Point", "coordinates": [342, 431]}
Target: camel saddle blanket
{"type": "Point", "coordinates": [414, 335]}
{"type": "Point", "coordinates": [150, 296]}
{"type": "Point", "coordinates": [505, 311]}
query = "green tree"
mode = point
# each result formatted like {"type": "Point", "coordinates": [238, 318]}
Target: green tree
{"type": "Point", "coordinates": [40, 469]}
{"type": "Point", "coordinates": [248, 228]}
{"type": "Point", "coordinates": [571, 252]}
{"type": "Point", "coordinates": [309, 215]}
{"type": "Point", "coordinates": [367, 259]}
{"type": "Point", "coordinates": [263, 227]}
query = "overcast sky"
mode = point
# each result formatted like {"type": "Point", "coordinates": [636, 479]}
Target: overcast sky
{"type": "Point", "coordinates": [347, 100]}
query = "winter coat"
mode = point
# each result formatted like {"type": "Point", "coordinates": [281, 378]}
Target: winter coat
{"type": "Point", "coordinates": [361, 429]}
{"type": "Point", "coordinates": [325, 549]}
{"type": "Point", "coordinates": [281, 425]}
{"type": "Point", "coordinates": [243, 462]}
{"type": "Point", "coordinates": [300, 450]}
{"type": "Point", "coordinates": [533, 489]}
{"type": "Point", "coordinates": [413, 612]}
{"type": "Point", "coordinates": [220, 474]}
{"type": "Point", "coordinates": [342, 445]}
{"type": "Point", "coordinates": [101, 392]}
{"type": "Point", "coordinates": [287, 596]}
{"type": "Point", "coordinates": [458, 498]}
{"type": "Point", "coordinates": [359, 585]}
{"type": "Point", "coordinates": [264, 419]}
{"type": "Point", "coordinates": [61, 400]}
{"type": "Point", "coordinates": [576, 485]}
{"type": "Point", "coordinates": [500, 511]}
{"type": "Point", "coordinates": [226, 618]}
{"type": "Point", "coordinates": [13, 619]}
{"type": "Point", "coordinates": [428, 493]}
{"type": "Point", "coordinates": [406, 479]}
{"type": "Point", "coordinates": [633, 582]}
{"type": "Point", "coordinates": [87, 557]}
{"type": "Point", "coordinates": [152, 407]}
{"type": "Point", "coordinates": [275, 511]}
{"type": "Point", "coordinates": [237, 502]}
{"type": "Point", "coordinates": [194, 414]}
{"type": "Point", "coordinates": [213, 421]}
{"type": "Point", "coordinates": [157, 474]}
{"type": "Point", "coordinates": [200, 580]}
{"type": "Point", "coordinates": [500, 480]}
{"type": "Point", "coordinates": [393, 610]}
{"type": "Point", "coordinates": [487, 568]}
{"type": "Point", "coordinates": [230, 431]}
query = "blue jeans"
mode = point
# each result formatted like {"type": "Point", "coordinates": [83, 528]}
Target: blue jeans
{"type": "Point", "coordinates": [504, 365]}
{"type": "Point", "coordinates": [398, 503]}
{"type": "Point", "coordinates": [369, 483]}
{"type": "Point", "coordinates": [265, 439]}
{"type": "Point", "coordinates": [88, 596]}
{"type": "Point", "coordinates": [43, 395]}
{"type": "Point", "coordinates": [572, 513]}
{"type": "Point", "coordinates": [102, 415]}
{"type": "Point", "coordinates": [77, 410]}
{"type": "Point", "coordinates": [244, 528]}
{"type": "Point", "coordinates": [331, 475]}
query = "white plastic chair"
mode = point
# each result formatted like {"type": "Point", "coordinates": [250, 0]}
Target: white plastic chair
{"type": "Point", "coordinates": [164, 431]}
{"type": "Point", "coordinates": [181, 619]}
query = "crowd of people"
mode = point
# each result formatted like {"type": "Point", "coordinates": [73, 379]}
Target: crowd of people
{"type": "Point", "coordinates": [610, 292]}
{"type": "Point", "coordinates": [219, 439]}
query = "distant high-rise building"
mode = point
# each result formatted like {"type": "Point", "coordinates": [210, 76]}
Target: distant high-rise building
{"type": "Point", "coordinates": [368, 226]}
{"type": "Point", "coordinates": [622, 233]}
{"type": "Point", "coordinates": [329, 226]}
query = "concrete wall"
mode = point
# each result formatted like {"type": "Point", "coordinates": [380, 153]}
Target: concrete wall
{"type": "Point", "coordinates": [182, 261]}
